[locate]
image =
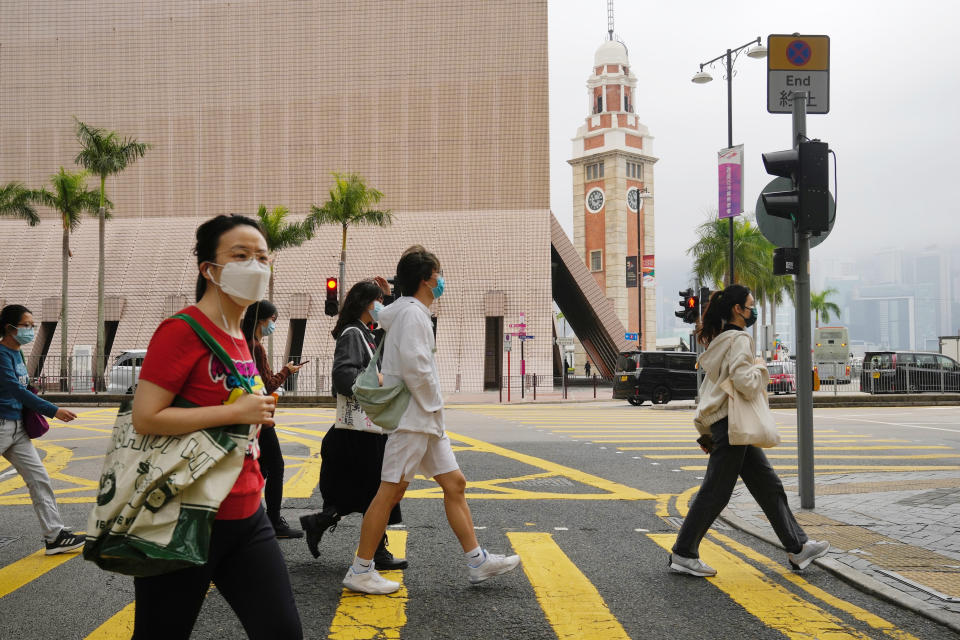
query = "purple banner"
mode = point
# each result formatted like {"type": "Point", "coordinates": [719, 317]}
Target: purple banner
{"type": "Point", "coordinates": [730, 163]}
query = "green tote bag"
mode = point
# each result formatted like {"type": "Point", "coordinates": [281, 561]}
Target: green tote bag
{"type": "Point", "coordinates": [383, 405]}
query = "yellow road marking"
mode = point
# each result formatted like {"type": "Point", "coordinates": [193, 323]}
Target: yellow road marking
{"type": "Point", "coordinates": [790, 456]}
{"type": "Point", "coordinates": [118, 627]}
{"type": "Point", "coordinates": [495, 490]}
{"type": "Point", "coordinates": [572, 605]}
{"type": "Point", "coordinates": [364, 616]}
{"type": "Point", "coordinates": [853, 468]}
{"type": "Point", "coordinates": [55, 460]}
{"type": "Point", "coordinates": [304, 481]}
{"type": "Point", "coordinates": [761, 597]}
{"type": "Point", "coordinates": [863, 615]}
{"type": "Point", "coordinates": [782, 448]}
{"type": "Point", "coordinates": [13, 576]}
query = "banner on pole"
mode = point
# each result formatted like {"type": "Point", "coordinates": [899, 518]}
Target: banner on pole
{"type": "Point", "coordinates": [649, 274]}
{"type": "Point", "coordinates": [631, 272]}
{"type": "Point", "coordinates": [730, 162]}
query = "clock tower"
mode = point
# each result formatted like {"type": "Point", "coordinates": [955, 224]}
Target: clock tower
{"type": "Point", "coordinates": [612, 186]}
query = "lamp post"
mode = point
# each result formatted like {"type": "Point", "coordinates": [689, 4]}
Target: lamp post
{"type": "Point", "coordinates": [642, 194]}
{"type": "Point", "coordinates": [702, 77]}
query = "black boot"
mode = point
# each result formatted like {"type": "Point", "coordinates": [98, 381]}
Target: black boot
{"type": "Point", "coordinates": [284, 530]}
{"type": "Point", "coordinates": [315, 525]}
{"type": "Point", "coordinates": [383, 559]}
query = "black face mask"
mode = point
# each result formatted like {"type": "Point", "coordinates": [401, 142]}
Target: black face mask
{"type": "Point", "coordinates": [752, 320]}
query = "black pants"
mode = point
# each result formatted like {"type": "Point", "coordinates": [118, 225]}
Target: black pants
{"type": "Point", "coordinates": [247, 567]}
{"type": "Point", "coordinates": [271, 466]}
{"type": "Point", "coordinates": [727, 462]}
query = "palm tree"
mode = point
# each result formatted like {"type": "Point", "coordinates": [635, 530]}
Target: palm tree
{"type": "Point", "coordinates": [823, 307]}
{"type": "Point", "coordinates": [70, 198]}
{"type": "Point", "coordinates": [104, 154]}
{"type": "Point", "coordinates": [280, 234]}
{"type": "Point", "coordinates": [17, 201]}
{"type": "Point", "coordinates": [711, 258]}
{"type": "Point", "coordinates": [349, 204]}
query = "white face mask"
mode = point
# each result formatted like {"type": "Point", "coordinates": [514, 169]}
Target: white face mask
{"type": "Point", "coordinates": [245, 282]}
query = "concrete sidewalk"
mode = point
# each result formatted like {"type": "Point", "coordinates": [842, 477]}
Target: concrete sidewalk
{"type": "Point", "coordinates": [896, 538]}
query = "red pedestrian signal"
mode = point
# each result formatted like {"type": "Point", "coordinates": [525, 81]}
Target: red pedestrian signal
{"type": "Point", "coordinates": [331, 306]}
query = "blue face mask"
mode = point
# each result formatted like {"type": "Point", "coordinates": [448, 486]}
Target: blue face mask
{"type": "Point", "coordinates": [438, 290]}
{"type": "Point", "coordinates": [270, 328]}
{"type": "Point", "coordinates": [25, 335]}
{"type": "Point", "coordinates": [375, 312]}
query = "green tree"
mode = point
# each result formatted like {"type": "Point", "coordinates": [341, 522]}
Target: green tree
{"type": "Point", "coordinates": [350, 204]}
{"type": "Point", "coordinates": [821, 306]}
{"type": "Point", "coordinates": [70, 198]}
{"type": "Point", "coordinates": [711, 253]}
{"type": "Point", "coordinates": [280, 235]}
{"type": "Point", "coordinates": [16, 201]}
{"type": "Point", "coordinates": [104, 153]}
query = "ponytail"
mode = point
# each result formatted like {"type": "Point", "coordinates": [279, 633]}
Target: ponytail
{"type": "Point", "coordinates": [718, 310]}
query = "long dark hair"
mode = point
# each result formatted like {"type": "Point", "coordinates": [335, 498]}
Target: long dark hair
{"type": "Point", "coordinates": [257, 312]}
{"type": "Point", "coordinates": [11, 315]}
{"type": "Point", "coordinates": [718, 311]}
{"type": "Point", "coordinates": [358, 299]}
{"type": "Point", "coordinates": [208, 239]}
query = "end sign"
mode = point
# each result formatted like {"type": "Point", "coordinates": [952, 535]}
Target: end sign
{"type": "Point", "coordinates": [798, 63]}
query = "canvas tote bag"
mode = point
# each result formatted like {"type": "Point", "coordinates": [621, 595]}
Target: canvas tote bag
{"type": "Point", "coordinates": [159, 495]}
{"type": "Point", "coordinates": [749, 418]}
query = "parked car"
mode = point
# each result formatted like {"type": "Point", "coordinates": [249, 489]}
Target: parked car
{"type": "Point", "coordinates": [908, 372]}
{"type": "Point", "coordinates": [125, 372]}
{"type": "Point", "coordinates": [782, 378]}
{"type": "Point", "coordinates": [656, 376]}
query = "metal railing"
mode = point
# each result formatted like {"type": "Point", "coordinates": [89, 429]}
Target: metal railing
{"type": "Point", "coordinates": [911, 378]}
{"type": "Point", "coordinates": [121, 376]}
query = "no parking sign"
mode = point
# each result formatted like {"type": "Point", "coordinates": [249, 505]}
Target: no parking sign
{"type": "Point", "coordinates": [798, 63]}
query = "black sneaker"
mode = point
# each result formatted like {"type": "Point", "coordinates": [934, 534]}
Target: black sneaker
{"type": "Point", "coordinates": [315, 525]}
{"type": "Point", "coordinates": [284, 530]}
{"type": "Point", "coordinates": [66, 541]}
{"type": "Point", "coordinates": [383, 559]}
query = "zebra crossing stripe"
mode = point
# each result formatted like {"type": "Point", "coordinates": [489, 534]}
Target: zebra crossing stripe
{"type": "Point", "coordinates": [572, 605]}
{"type": "Point", "coordinates": [767, 600]}
{"type": "Point", "coordinates": [360, 616]}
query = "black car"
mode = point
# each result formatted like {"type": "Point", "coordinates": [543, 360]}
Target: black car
{"type": "Point", "coordinates": [908, 372]}
{"type": "Point", "coordinates": [657, 376]}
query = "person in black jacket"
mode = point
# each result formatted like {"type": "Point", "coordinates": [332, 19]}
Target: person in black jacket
{"type": "Point", "coordinates": [352, 449]}
{"type": "Point", "coordinates": [258, 322]}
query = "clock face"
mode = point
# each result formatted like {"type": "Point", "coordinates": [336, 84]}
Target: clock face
{"type": "Point", "coordinates": [595, 200]}
{"type": "Point", "coordinates": [633, 199]}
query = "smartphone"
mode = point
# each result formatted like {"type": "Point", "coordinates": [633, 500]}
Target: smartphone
{"type": "Point", "coordinates": [303, 362]}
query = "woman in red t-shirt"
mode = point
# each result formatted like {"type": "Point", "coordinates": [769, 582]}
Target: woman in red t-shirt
{"type": "Point", "coordinates": [244, 559]}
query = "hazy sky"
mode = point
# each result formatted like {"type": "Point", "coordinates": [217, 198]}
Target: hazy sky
{"type": "Point", "coordinates": [894, 118]}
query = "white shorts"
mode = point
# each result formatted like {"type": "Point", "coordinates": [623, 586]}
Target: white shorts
{"type": "Point", "coordinates": [408, 453]}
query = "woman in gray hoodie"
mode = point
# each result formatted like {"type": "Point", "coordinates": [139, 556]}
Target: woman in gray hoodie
{"type": "Point", "coordinates": [730, 355]}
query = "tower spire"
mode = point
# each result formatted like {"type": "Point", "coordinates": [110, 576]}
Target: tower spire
{"type": "Point", "coordinates": [610, 18]}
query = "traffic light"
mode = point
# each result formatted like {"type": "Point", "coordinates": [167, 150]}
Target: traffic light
{"type": "Point", "coordinates": [689, 307]}
{"type": "Point", "coordinates": [808, 203]}
{"type": "Point", "coordinates": [332, 307]}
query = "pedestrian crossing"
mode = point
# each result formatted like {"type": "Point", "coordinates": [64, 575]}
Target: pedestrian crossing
{"type": "Point", "coordinates": [572, 605]}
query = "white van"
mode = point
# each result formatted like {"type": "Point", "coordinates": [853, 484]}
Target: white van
{"type": "Point", "coordinates": [125, 372]}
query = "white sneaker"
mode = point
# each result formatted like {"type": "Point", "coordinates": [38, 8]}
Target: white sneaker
{"type": "Point", "coordinates": [493, 565]}
{"type": "Point", "coordinates": [369, 582]}
{"type": "Point", "coordinates": [691, 566]}
{"type": "Point", "coordinates": [811, 551]}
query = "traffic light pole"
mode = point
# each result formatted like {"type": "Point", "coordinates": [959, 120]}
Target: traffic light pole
{"type": "Point", "coordinates": [804, 359]}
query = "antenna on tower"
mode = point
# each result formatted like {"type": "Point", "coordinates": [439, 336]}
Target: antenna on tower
{"type": "Point", "coordinates": [610, 18]}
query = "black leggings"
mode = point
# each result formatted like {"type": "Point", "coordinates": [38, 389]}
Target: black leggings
{"type": "Point", "coordinates": [271, 466]}
{"type": "Point", "coordinates": [247, 567]}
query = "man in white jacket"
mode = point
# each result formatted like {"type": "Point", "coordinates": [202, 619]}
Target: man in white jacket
{"type": "Point", "coordinates": [419, 444]}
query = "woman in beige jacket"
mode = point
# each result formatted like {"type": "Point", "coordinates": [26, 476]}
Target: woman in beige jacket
{"type": "Point", "coordinates": [730, 355]}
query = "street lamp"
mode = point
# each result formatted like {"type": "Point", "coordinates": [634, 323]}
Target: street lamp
{"type": "Point", "coordinates": [642, 194]}
{"type": "Point", "coordinates": [702, 77]}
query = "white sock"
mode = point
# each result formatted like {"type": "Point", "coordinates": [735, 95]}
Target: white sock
{"type": "Point", "coordinates": [475, 557]}
{"type": "Point", "coordinates": [360, 565]}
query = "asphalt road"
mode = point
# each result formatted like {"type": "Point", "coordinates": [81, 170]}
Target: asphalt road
{"type": "Point", "coordinates": [588, 494]}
